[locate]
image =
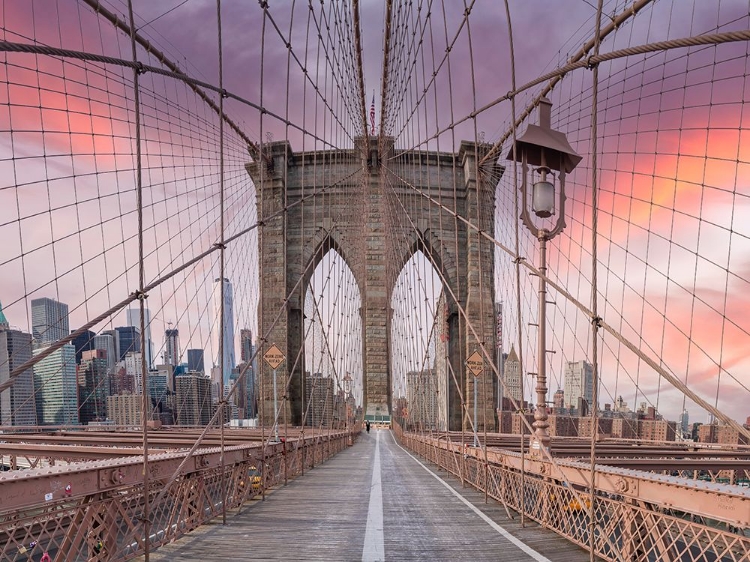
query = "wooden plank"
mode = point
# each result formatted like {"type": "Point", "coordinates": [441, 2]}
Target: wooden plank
{"type": "Point", "coordinates": [323, 515]}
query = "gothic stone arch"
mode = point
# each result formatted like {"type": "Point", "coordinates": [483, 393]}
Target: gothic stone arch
{"type": "Point", "coordinates": [349, 214]}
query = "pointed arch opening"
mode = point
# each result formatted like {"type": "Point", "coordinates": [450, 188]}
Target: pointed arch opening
{"type": "Point", "coordinates": [332, 387]}
{"type": "Point", "coordinates": [418, 352]}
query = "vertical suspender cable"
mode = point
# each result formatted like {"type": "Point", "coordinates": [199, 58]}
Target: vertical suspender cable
{"type": "Point", "coordinates": [518, 263]}
{"type": "Point", "coordinates": [145, 398]}
{"type": "Point", "coordinates": [594, 288]}
{"type": "Point", "coordinates": [222, 320]}
{"type": "Point", "coordinates": [263, 169]}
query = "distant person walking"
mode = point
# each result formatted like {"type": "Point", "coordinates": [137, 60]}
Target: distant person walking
{"type": "Point", "coordinates": [367, 425]}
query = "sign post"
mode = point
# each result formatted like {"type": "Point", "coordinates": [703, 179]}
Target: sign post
{"type": "Point", "coordinates": [274, 357]}
{"type": "Point", "coordinates": [475, 364]}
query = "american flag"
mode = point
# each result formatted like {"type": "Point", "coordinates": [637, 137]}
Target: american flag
{"type": "Point", "coordinates": [372, 115]}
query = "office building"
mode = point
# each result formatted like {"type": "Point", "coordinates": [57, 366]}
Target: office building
{"type": "Point", "coordinates": [93, 386]}
{"type": "Point", "coordinates": [128, 340]}
{"type": "Point", "coordinates": [193, 400]}
{"type": "Point", "coordinates": [49, 320]}
{"type": "Point", "coordinates": [226, 362]}
{"type": "Point", "coordinates": [134, 371]}
{"type": "Point", "coordinates": [172, 347]}
{"type": "Point", "coordinates": [83, 342]}
{"type": "Point", "coordinates": [579, 383]}
{"type": "Point", "coordinates": [56, 387]}
{"type": "Point", "coordinates": [161, 394]}
{"type": "Point", "coordinates": [657, 430]}
{"type": "Point", "coordinates": [247, 349]}
{"type": "Point", "coordinates": [134, 320]}
{"type": "Point", "coordinates": [120, 382]}
{"type": "Point", "coordinates": [513, 379]}
{"type": "Point", "coordinates": [106, 343]}
{"type": "Point", "coordinates": [195, 360]}
{"type": "Point", "coordinates": [17, 403]}
{"type": "Point", "coordinates": [125, 409]}
{"type": "Point", "coordinates": [685, 423]}
{"type": "Point", "coordinates": [558, 400]}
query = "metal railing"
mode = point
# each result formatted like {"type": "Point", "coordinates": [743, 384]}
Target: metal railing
{"type": "Point", "coordinates": [639, 516]}
{"type": "Point", "coordinates": [93, 511]}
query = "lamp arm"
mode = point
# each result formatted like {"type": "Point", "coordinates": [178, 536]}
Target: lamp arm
{"type": "Point", "coordinates": [525, 216]}
{"type": "Point", "coordinates": [560, 224]}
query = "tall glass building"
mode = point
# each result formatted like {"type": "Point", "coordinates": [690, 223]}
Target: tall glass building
{"type": "Point", "coordinates": [195, 360]}
{"type": "Point", "coordinates": [49, 320]}
{"type": "Point", "coordinates": [172, 344]}
{"type": "Point", "coordinates": [106, 343]}
{"type": "Point", "coordinates": [83, 342]}
{"type": "Point", "coordinates": [128, 340]}
{"type": "Point", "coordinates": [57, 387]}
{"type": "Point", "coordinates": [227, 362]}
{"type": "Point", "coordinates": [17, 405]}
{"type": "Point", "coordinates": [93, 386]}
{"type": "Point", "coordinates": [134, 321]}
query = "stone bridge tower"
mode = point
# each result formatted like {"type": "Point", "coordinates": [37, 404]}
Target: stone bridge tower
{"type": "Point", "coordinates": [341, 200]}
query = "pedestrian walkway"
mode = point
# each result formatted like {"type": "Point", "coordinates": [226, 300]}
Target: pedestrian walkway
{"type": "Point", "coordinates": [374, 501]}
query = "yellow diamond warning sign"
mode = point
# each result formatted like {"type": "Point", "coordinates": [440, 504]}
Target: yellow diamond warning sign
{"type": "Point", "coordinates": [475, 364]}
{"type": "Point", "coordinates": [274, 357]}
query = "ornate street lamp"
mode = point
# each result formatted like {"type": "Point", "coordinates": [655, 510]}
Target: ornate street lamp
{"type": "Point", "coordinates": [547, 151]}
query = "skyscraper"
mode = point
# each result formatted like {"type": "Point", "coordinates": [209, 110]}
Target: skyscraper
{"type": "Point", "coordinates": [172, 347]}
{"type": "Point", "coordinates": [685, 422]}
{"type": "Point", "coordinates": [579, 383]}
{"type": "Point", "coordinates": [49, 320]}
{"type": "Point", "coordinates": [128, 340]}
{"type": "Point", "coordinates": [56, 387]}
{"type": "Point", "coordinates": [83, 342]}
{"type": "Point", "coordinates": [512, 376]}
{"type": "Point", "coordinates": [134, 320]}
{"type": "Point", "coordinates": [559, 400]}
{"type": "Point", "coordinates": [195, 360]}
{"type": "Point", "coordinates": [227, 362]}
{"type": "Point", "coordinates": [193, 400]}
{"type": "Point", "coordinates": [17, 404]}
{"type": "Point", "coordinates": [93, 386]}
{"type": "Point", "coordinates": [246, 345]}
{"type": "Point", "coordinates": [106, 343]}
{"type": "Point", "coordinates": [134, 372]}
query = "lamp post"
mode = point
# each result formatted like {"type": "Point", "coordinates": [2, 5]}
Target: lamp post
{"type": "Point", "coordinates": [547, 151]}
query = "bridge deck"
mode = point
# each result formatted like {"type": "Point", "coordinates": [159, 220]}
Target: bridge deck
{"type": "Point", "coordinates": [372, 502]}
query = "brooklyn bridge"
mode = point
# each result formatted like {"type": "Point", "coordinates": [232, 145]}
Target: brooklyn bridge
{"type": "Point", "coordinates": [399, 280]}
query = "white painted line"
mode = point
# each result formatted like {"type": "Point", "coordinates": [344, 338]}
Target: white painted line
{"type": "Point", "coordinates": [374, 548]}
{"type": "Point", "coordinates": [520, 544]}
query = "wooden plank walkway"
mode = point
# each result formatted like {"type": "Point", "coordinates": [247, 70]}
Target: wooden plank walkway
{"type": "Point", "coordinates": [334, 512]}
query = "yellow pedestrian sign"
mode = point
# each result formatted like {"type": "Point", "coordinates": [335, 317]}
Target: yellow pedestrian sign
{"type": "Point", "coordinates": [475, 363]}
{"type": "Point", "coordinates": [274, 357]}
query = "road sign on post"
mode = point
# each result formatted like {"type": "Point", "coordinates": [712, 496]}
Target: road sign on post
{"type": "Point", "coordinates": [475, 364]}
{"type": "Point", "coordinates": [274, 357]}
